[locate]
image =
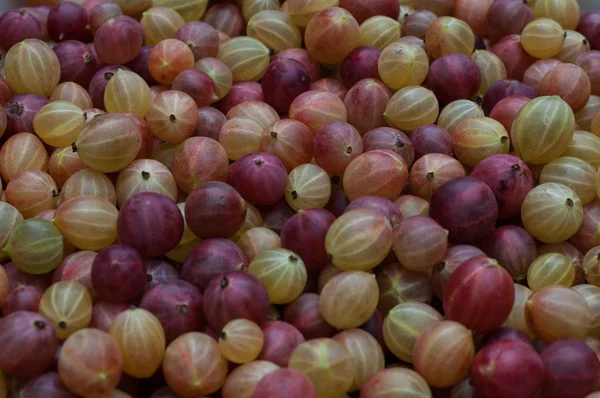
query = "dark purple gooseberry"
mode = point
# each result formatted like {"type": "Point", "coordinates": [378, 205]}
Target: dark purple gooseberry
{"type": "Point", "coordinates": [571, 369]}
{"type": "Point", "coordinates": [104, 312]}
{"type": "Point", "coordinates": [99, 82]}
{"type": "Point", "coordinates": [284, 80]}
{"type": "Point", "coordinates": [588, 23]}
{"type": "Point", "coordinates": [338, 201]}
{"type": "Point", "coordinates": [595, 38]}
{"type": "Point", "coordinates": [260, 178]}
{"type": "Point", "coordinates": [390, 139]}
{"type": "Point", "coordinates": [5, 90]}
{"type": "Point", "coordinates": [506, 333]}
{"type": "Point", "coordinates": [304, 233]}
{"type": "Point", "coordinates": [3, 121]}
{"type": "Point", "coordinates": [301, 55]}
{"type": "Point", "coordinates": [158, 271]}
{"type": "Point", "coordinates": [587, 236]}
{"type": "Point", "coordinates": [41, 14]}
{"type": "Point", "coordinates": [20, 111]}
{"type": "Point", "coordinates": [140, 65]}
{"type": "Point", "coordinates": [99, 63]}
{"type": "Point", "coordinates": [417, 23]}
{"type": "Point", "coordinates": [479, 43]}
{"type": "Point", "coordinates": [28, 344]}
{"type": "Point", "coordinates": [118, 274]}
{"type": "Point", "coordinates": [452, 77]}
{"type": "Point", "coordinates": [77, 63]}
{"type": "Point", "coordinates": [280, 339]}
{"type": "Point", "coordinates": [210, 121]}
{"type": "Point", "coordinates": [454, 257]}
{"type": "Point", "coordinates": [197, 85]}
{"type": "Point", "coordinates": [134, 22]}
{"type": "Point", "coordinates": [382, 205]}
{"type": "Point", "coordinates": [513, 248]}
{"type": "Point", "coordinates": [335, 145]}
{"type": "Point", "coordinates": [507, 368]}
{"type": "Point", "coordinates": [507, 17]}
{"type": "Point", "coordinates": [295, 383]}
{"type": "Point", "coordinates": [361, 63]}
{"type": "Point", "coordinates": [150, 223]}
{"type": "Point", "coordinates": [240, 92]}
{"type": "Point", "coordinates": [362, 10]}
{"type": "Point", "coordinates": [22, 298]}
{"type": "Point", "coordinates": [177, 305]}
{"type": "Point", "coordinates": [67, 21]}
{"type": "Point", "coordinates": [16, 26]}
{"type": "Point", "coordinates": [304, 314]}
{"type": "Point", "coordinates": [46, 385]}
{"type": "Point", "coordinates": [509, 178]}
{"type": "Point", "coordinates": [201, 38]}
{"type": "Point", "coordinates": [466, 207]}
{"type": "Point", "coordinates": [118, 42]}
{"type": "Point", "coordinates": [430, 138]}
{"type": "Point", "coordinates": [274, 217]}
{"type": "Point", "coordinates": [101, 13]}
{"type": "Point", "coordinates": [210, 258]}
{"type": "Point", "coordinates": [215, 210]}
{"type": "Point", "coordinates": [234, 295]}
{"type": "Point", "coordinates": [505, 88]}
{"type": "Point", "coordinates": [374, 326]}
{"type": "Point", "coordinates": [18, 278]}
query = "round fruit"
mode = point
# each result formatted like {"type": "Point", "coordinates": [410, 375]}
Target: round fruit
{"type": "Point", "coordinates": [557, 312]}
{"type": "Point", "coordinates": [359, 240]}
{"type": "Point", "coordinates": [476, 287]}
{"type": "Point", "coordinates": [346, 311]}
{"type": "Point", "coordinates": [240, 341]}
{"type": "Point", "coordinates": [328, 365]}
{"type": "Point", "coordinates": [443, 353]}
{"type": "Point", "coordinates": [404, 324]}
{"type": "Point", "coordinates": [282, 273]}
{"type": "Point", "coordinates": [466, 207]}
{"type": "Point", "coordinates": [552, 212]}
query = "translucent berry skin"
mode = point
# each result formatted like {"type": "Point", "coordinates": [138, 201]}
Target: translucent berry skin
{"type": "Point", "coordinates": [233, 295]}
{"type": "Point", "coordinates": [466, 207]}
{"type": "Point", "coordinates": [513, 247]}
{"type": "Point", "coordinates": [260, 178]}
{"type": "Point", "coordinates": [453, 77]}
{"type": "Point", "coordinates": [28, 344]}
{"type": "Point", "coordinates": [506, 88]}
{"type": "Point", "coordinates": [480, 294]}
{"type": "Point", "coordinates": [283, 81]}
{"type": "Point", "coordinates": [304, 234]}
{"type": "Point", "coordinates": [77, 63]}
{"type": "Point", "coordinates": [507, 368]}
{"type": "Point", "coordinates": [215, 210]}
{"type": "Point", "coordinates": [67, 21]}
{"type": "Point", "coordinates": [178, 306]}
{"type": "Point", "coordinates": [295, 383]}
{"type": "Point", "coordinates": [570, 369]}
{"type": "Point", "coordinates": [90, 362]}
{"type": "Point", "coordinates": [16, 26]}
{"type": "Point", "coordinates": [360, 64]}
{"type": "Point", "coordinates": [139, 217]}
{"type": "Point", "coordinates": [509, 178]}
{"type": "Point", "coordinates": [47, 384]}
{"type": "Point", "coordinates": [210, 258]}
{"type": "Point", "coordinates": [112, 267]}
{"type": "Point", "coordinates": [118, 42]}
{"type": "Point", "coordinates": [280, 340]}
